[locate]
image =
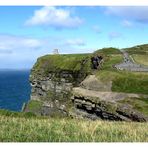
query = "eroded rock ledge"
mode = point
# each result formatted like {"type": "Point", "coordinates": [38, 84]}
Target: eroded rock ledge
{"type": "Point", "coordinates": [105, 105]}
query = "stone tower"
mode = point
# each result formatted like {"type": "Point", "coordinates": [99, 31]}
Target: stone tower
{"type": "Point", "coordinates": [55, 51]}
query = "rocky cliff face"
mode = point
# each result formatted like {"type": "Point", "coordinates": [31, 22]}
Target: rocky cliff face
{"type": "Point", "coordinates": [54, 90]}
{"type": "Point", "coordinates": [63, 85]}
{"type": "Point", "coordinates": [105, 105]}
{"type": "Point", "coordinates": [52, 79]}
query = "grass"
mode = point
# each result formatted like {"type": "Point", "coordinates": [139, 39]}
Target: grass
{"type": "Point", "coordinates": [108, 51]}
{"type": "Point", "coordinates": [122, 81]}
{"type": "Point", "coordinates": [111, 60]}
{"type": "Point", "coordinates": [58, 63]}
{"type": "Point", "coordinates": [141, 59]}
{"type": "Point", "coordinates": [70, 130]}
{"type": "Point", "coordinates": [16, 114]}
{"type": "Point", "coordinates": [34, 105]}
{"type": "Point", "coordinates": [69, 62]}
{"type": "Point", "coordinates": [140, 104]}
{"type": "Point", "coordinates": [140, 49]}
{"type": "Point", "coordinates": [131, 83]}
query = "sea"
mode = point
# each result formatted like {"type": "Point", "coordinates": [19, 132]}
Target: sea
{"type": "Point", "coordinates": [14, 89]}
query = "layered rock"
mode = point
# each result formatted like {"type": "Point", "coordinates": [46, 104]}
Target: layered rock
{"type": "Point", "coordinates": [106, 105]}
{"type": "Point", "coordinates": [64, 85]}
{"type": "Point", "coordinates": [52, 80]}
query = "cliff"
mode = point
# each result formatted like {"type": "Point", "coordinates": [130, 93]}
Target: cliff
{"type": "Point", "coordinates": [52, 79]}
{"type": "Point", "coordinates": [67, 85]}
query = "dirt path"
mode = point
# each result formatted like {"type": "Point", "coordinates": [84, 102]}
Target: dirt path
{"type": "Point", "coordinates": [130, 65]}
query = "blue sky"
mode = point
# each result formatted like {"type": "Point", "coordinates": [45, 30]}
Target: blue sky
{"type": "Point", "coordinates": [27, 32]}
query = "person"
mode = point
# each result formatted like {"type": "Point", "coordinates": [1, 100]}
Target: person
{"type": "Point", "coordinates": [99, 60]}
{"type": "Point", "coordinates": [96, 60]}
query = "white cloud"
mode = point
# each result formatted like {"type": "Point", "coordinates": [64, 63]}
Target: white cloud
{"type": "Point", "coordinates": [55, 17]}
{"type": "Point", "coordinates": [75, 42]}
{"type": "Point", "coordinates": [96, 29]}
{"type": "Point", "coordinates": [127, 23]}
{"type": "Point", "coordinates": [137, 13]}
{"type": "Point", "coordinates": [15, 42]}
{"type": "Point", "coordinates": [18, 51]}
{"type": "Point", "coordinates": [22, 52]}
{"type": "Point", "coordinates": [114, 35]}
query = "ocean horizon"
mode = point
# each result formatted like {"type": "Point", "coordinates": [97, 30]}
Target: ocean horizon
{"type": "Point", "coordinates": [15, 88]}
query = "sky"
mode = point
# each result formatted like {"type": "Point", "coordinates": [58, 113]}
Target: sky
{"type": "Point", "coordinates": [28, 32]}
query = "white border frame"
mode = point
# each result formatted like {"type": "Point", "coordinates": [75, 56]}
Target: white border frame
{"type": "Point", "coordinates": [75, 2]}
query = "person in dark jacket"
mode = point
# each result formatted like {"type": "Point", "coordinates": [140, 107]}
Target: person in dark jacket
{"type": "Point", "coordinates": [94, 61]}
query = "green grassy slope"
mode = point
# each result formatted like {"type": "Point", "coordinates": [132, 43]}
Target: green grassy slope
{"type": "Point", "coordinates": [108, 51]}
{"type": "Point", "coordinates": [71, 62]}
{"type": "Point", "coordinates": [140, 49]}
{"type": "Point", "coordinates": [122, 81]}
{"type": "Point", "coordinates": [33, 129]}
{"type": "Point", "coordinates": [139, 104]}
{"type": "Point", "coordinates": [139, 54]}
{"type": "Point", "coordinates": [141, 59]}
{"type": "Point", "coordinates": [58, 63]}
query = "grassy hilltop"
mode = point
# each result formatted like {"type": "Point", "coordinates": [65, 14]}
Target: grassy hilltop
{"type": "Point", "coordinates": [139, 54]}
{"type": "Point", "coordinates": [28, 127]}
{"type": "Point", "coordinates": [58, 63]}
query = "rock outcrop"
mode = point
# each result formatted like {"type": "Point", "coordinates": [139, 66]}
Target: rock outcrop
{"type": "Point", "coordinates": [52, 79]}
{"type": "Point", "coordinates": [92, 83]}
{"type": "Point", "coordinates": [106, 105]}
{"type": "Point", "coordinates": [63, 85]}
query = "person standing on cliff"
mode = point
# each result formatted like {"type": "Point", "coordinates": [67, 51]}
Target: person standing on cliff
{"type": "Point", "coordinates": [95, 61]}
